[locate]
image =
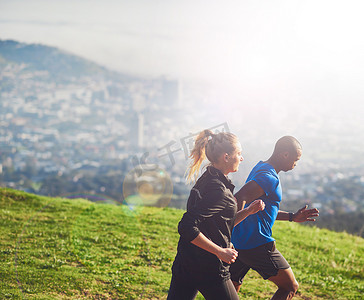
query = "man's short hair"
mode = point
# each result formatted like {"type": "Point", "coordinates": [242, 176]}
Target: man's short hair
{"type": "Point", "coordinates": [287, 143]}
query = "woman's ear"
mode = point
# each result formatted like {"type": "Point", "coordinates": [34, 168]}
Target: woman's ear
{"type": "Point", "coordinates": [226, 157]}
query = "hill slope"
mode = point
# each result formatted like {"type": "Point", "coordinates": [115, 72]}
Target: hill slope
{"type": "Point", "coordinates": [60, 65]}
{"type": "Point", "coordinates": [54, 248]}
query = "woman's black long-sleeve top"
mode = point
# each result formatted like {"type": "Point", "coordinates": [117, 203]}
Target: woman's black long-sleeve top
{"type": "Point", "coordinates": [211, 210]}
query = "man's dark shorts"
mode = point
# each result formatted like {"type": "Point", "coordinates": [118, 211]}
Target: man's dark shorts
{"type": "Point", "coordinates": [265, 259]}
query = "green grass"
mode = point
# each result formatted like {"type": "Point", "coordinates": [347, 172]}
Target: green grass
{"type": "Point", "coordinates": [53, 248]}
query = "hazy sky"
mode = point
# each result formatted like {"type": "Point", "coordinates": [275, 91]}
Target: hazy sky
{"type": "Point", "coordinates": [287, 50]}
{"type": "Point", "coordinates": [205, 39]}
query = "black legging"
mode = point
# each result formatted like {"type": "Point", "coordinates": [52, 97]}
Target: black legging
{"type": "Point", "coordinates": [187, 290]}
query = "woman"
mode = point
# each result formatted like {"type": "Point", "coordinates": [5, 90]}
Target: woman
{"type": "Point", "coordinates": [204, 250]}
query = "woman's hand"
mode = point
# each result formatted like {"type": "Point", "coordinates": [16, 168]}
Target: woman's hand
{"type": "Point", "coordinates": [255, 206]}
{"type": "Point", "coordinates": [227, 255]}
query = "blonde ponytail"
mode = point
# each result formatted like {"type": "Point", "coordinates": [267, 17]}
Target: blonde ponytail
{"type": "Point", "coordinates": [211, 146]}
{"type": "Point", "coordinates": [198, 154]}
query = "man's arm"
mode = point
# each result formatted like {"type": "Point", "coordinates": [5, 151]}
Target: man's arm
{"type": "Point", "coordinates": [248, 193]}
{"type": "Point", "coordinates": [302, 215]}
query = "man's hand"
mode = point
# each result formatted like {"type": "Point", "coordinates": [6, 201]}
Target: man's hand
{"type": "Point", "coordinates": [304, 214]}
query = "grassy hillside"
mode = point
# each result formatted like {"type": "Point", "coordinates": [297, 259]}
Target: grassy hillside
{"type": "Point", "coordinates": [54, 248]}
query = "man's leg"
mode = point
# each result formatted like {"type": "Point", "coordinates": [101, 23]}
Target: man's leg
{"type": "Point", "coordinates": [238, 271]}
{"type": "Point", "coordinates": [286, 283]}
{"type": "Point", "coordinates": [270, 264]}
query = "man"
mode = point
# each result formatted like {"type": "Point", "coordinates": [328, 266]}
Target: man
{"type": "Point", "coordinates": [253, 236]}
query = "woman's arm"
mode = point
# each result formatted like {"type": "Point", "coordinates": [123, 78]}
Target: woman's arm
{"type": "Point", "coordinates": [253, 208]}
{"type": "Point", "coordinates": [188, 227]}
{"type": "Point", "coordinates": [227, 255]}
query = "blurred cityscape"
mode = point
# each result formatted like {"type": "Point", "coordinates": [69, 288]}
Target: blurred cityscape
{"type": "Point", "coordinates": [85, 133]}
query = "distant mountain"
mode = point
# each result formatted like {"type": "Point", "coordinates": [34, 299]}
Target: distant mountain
{"type": "Point", "coordinates": [60, 64]}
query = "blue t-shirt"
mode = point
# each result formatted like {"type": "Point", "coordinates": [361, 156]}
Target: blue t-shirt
{"type": "Point", "coordinates": [256, 229]}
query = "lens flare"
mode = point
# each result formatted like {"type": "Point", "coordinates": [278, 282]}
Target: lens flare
{"type": "Point", "coordinates": [147, 186]}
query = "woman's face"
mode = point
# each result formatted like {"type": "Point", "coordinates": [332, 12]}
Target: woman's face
{"type": "Point", "coordinates": [235, 158]}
